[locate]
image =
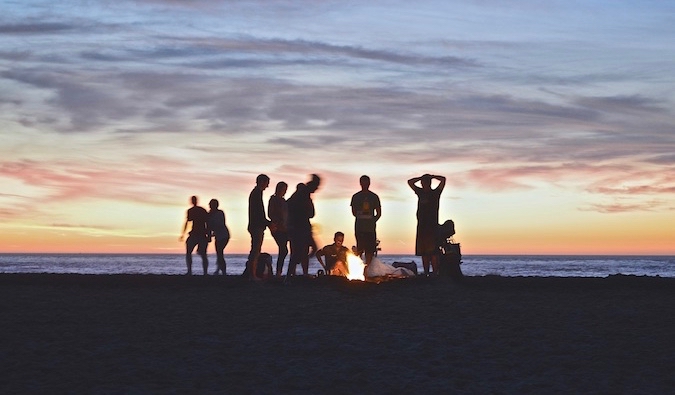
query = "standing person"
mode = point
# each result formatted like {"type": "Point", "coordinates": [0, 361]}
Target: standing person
{"type": "Point", "coordinates": [300, 211]}
{"type": "Point", "coordinates": [426, 241]}
{"type": "Point", "coordinates": [257, 222]}
{"type": "Point", "coordinates": [198, 235]}
{"type": "Point", "coordinates": [367, 210]}
{"type": "Point", "coordinates": [277, 208]}
{"type": "Point", "coordinates": [218, 228]}
{"type": "Point", "coordinates": [335, 255]}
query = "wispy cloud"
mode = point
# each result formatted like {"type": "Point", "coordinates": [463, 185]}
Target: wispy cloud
{"type": "Point", "coordinates": [36, 28]}
{"type": "Point", "coordinates": [149, 101]}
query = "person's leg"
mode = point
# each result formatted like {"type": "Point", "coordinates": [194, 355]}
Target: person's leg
{"type": "Point", "coordinates": [201, 250]}
{"type": "Point", "coordinates": [256, 245]}
{"type": "Point", "coordinates": [224, 268]}
{"type": "Point", "coordinates": [370, 246]}
{"type": "Point", "coordinates": [296, 247]}
{"type": "Point", "coordinates": [281, 239]}
{"type": "Point", "coordinates": [434, 263]}
{"type": "Point", "coordinates": [189, 247]}
{"type": "Point", "coordinates": [304, 257]}
{"type": "Point", "coordinates": [425, 263]}
{"type": "Point", "coordinates": [340, 269]}
{"type": "Point", "coordinates": [220, 258]}
{"type": "Point", "coordinates": [359, 244]}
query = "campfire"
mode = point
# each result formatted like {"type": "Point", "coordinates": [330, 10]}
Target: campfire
{"type": "Point", "coordinates": [355, 266]}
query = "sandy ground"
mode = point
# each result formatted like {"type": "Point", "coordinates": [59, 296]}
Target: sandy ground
{"type": "Point", "coordinates": [130, 334]}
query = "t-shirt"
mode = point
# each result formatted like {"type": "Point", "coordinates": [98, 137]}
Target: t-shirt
{"type": "Point", "coordinates": [300, 210]}
{"type": "Point", "coordinates": [364, 204]}
{"type": "Point", "coordinates": [332, 254]}
{"type": "Point", "coordinates": [256, 211]}
{"type": "Point", "coordinates": [277, 209]}
{"type": "Point", "coordinates": [217, 225]}
{"type": "Point", "coordinates": [198, 216]}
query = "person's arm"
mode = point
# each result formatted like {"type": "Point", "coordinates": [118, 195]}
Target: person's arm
{"type": "Point", "coordinates": [272, 209]}
{"type": "Point", "coordinates": [259, 217]}
{"type": "Point", "coordinates": [440, 186]}
{"type": "Point", "coordinates": [274, 213]}
{"type": "Point", "coordinates": [378, 213]}
{"type": "Point", "coordinates": [378, 209]}
{"type": "Point", "coordinates": [182, 234]}
{"type": "Point", "coordinates": [413, 181]}
{"type": "Point", "coordinates": [310, 209]}
{"type": "Point", "coordinates": [318, 256]}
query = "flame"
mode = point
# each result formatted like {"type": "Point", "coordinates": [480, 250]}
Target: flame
{"type": "Point", "coordinates": [356, 267]}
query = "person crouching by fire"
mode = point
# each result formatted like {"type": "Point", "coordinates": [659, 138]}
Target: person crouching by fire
{"type": "Point", "coordinates": [335, 256]}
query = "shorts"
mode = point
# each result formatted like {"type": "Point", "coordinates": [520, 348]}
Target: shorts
{"type": "Point", "coordinates": [366, 241]}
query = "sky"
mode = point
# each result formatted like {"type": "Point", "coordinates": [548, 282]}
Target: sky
{"type": "Point", "coordinates": [552, 121]}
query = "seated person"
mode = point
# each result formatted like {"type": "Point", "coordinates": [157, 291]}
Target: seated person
{"type": "Point", "coordinates": [336, 256]}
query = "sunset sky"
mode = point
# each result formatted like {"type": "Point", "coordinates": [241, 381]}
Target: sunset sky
{"type": "Point", "coordinates": [553, 121]}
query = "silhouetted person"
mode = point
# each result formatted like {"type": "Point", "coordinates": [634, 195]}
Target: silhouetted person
{"type": "Point", "coordinates": [426, 242]}
{"type": "Point", "coordinates": [277, 209]}
{"type": "Point", "coordinates": [257, 222]}
{"type": "Point", "coordinates": [300, 210]}
{"type": "Point", "coordinates": [367, 211]}
{"type": "Point", "coordinates": [219, 231]}
{"type": "Point", "coordinates": [335, 255]}
{"type": "Point", "coordinates": [198, 235]}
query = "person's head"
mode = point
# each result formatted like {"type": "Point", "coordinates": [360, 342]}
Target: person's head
{"type": "Point", "coordinates": [425, 180]}
{"type": "Point", "coordinates": [339, 238]}
{"type": "Point", "coordinates": [365, 182]}
{"type": "Point", "coordinates": [262, 181]}
{"type": "Point", "coordinates": [281, 189]}
{"type": "Point", "coordinates": [313, 185]}
{"type": "Point", "coordinates": [193, 200]}
{"type": "Point", "coordinates": [213, 204]}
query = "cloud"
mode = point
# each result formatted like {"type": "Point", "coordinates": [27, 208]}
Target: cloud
{"type": "Point", "coordinates": [632, 190]}
{"type": "Point", "coordinates": [664, 159]}
{"type": "Point", "coordinates": [621, 104]}
{"type": "Point", "coordinates": [494, 108]}
{"type": "Point", "coordinates": [326, 53]}
{"type": "Point", "coordinates": [70, 181]}
{"type": "Point", "coordinates": [617, 208]}
{"type": "Point", "coordinates": [36, 28]}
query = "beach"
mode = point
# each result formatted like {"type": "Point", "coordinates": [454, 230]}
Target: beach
{"type": "Point", "coordinates": [171, 334]}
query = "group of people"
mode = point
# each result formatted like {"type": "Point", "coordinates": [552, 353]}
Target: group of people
{"type": "Point", "coordinates": [205, 226]}
{"type": "Point", "coordinates": [290, 225]}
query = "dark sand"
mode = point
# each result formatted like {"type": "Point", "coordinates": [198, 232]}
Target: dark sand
{"type": "Point", "coordinates": [177, 335]}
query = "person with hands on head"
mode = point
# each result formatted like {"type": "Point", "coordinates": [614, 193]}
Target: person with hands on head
{"type": "Point", "coordinates": [426, 240]}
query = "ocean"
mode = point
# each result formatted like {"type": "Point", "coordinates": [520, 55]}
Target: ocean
{"type": "Point", "coordinates": [473, 265]}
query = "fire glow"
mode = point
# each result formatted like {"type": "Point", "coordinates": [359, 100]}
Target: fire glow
{"type": "Point", "coordinates": [356, 267]}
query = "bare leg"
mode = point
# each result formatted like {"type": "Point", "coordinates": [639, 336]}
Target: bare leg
{"type": "Point", "coordinates": [434, 264]}
{"type": "Point", "coordinates": [189, 247]}
{"type": "Point", "coordinates": [205, 264]}
{"type": "Point", "coordinates": [188, 262]}
{"type": "Point", "coordinates": [369, 257]}
{"type": "Point", "coordinates": [425, 264]}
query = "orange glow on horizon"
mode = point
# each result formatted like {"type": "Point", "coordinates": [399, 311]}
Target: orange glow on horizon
{"type": "Point", "coordinates": [514, 234]}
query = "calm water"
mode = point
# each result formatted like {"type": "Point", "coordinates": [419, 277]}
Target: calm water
{"type": "Point", "coordinates": [473, 265]}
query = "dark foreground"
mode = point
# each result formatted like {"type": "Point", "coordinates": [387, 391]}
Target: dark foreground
{"type": "Point", "coordinates": [178, 335]}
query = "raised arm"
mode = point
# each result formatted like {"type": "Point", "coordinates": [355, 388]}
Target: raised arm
{"type": "Point", "coordinates": [440, 186]}
{"type": "Point", "coordinates": [413, 181]}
